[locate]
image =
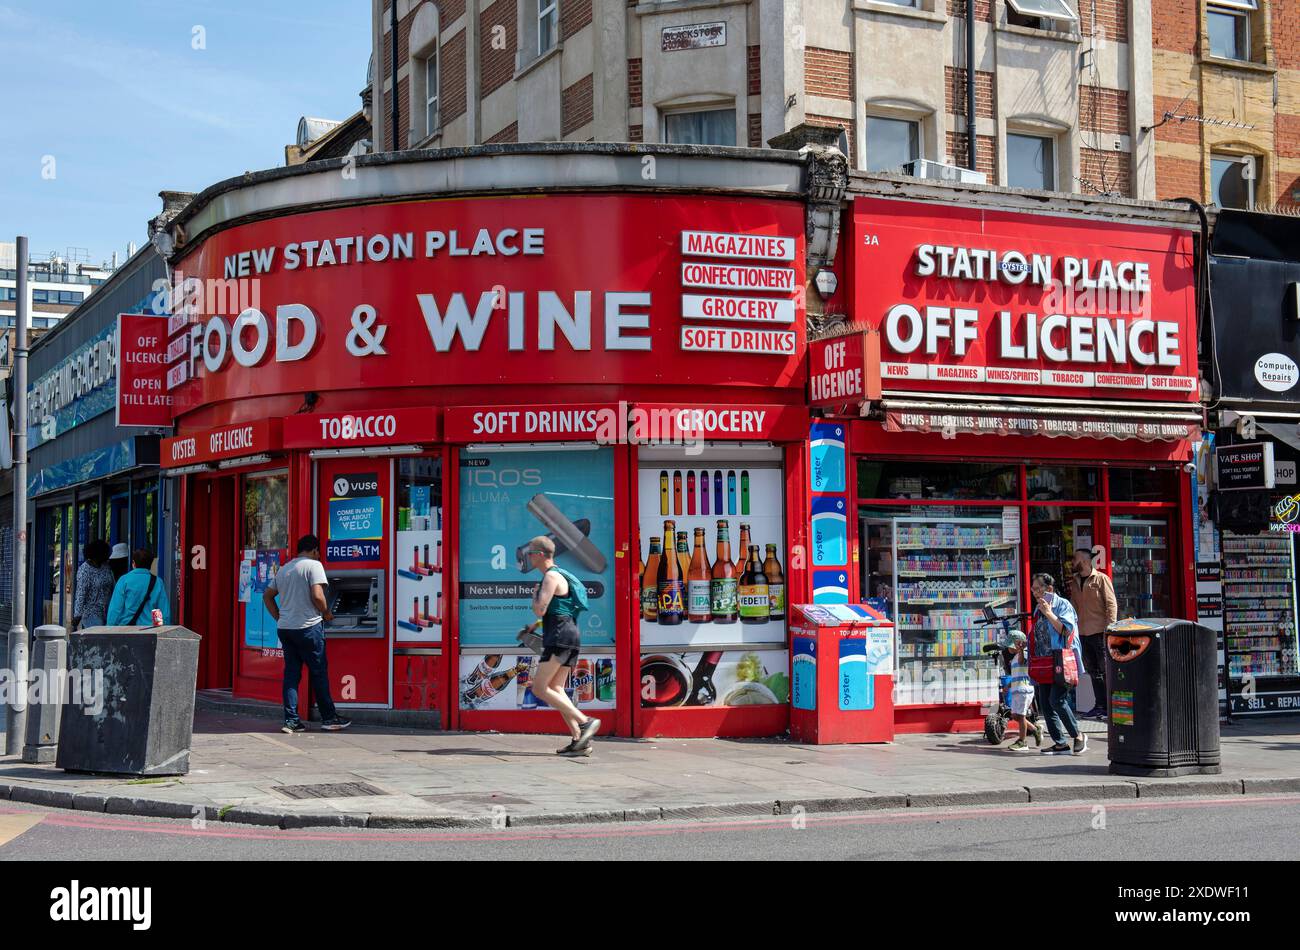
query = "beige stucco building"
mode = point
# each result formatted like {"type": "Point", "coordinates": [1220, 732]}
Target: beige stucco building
{"type": "Point", "coordinates": [1062, 88]}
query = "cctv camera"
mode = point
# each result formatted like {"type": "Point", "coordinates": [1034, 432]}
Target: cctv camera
{"type": "Point", "coordinates": [1190, 468]}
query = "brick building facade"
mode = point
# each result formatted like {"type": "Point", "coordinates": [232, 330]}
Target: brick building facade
{"type": "Point", "coordinates": [1059, 103]}
{"type": "Point", "coordinates": [1227, 101]}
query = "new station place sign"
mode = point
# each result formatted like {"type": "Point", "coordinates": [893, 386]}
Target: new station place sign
{"type": "Point", "coordinates": [562, 289]}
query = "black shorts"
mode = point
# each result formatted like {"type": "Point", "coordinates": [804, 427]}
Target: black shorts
{"type": "Point", "coordinates": [565, 655]}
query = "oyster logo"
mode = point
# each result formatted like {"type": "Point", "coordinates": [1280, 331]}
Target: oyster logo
{"type": "Point", "coordinates": [1276, 372]}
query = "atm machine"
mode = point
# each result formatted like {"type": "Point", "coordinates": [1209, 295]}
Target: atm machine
{"type": "Point", "coordinates": [356, 598]}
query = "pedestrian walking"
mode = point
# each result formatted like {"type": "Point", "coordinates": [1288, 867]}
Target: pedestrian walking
{"type": "Point", "coordinates": [1020, 691]}
{"type": "Point", "coordinates": [95, 582]}
{"type": "Point", "coordinates": [1093, 597]}
{"type": "Point", "coordinates": [1055, 627]}
{"type": "Point", "coordinates": [300, 615]}
{"type": "Point", "coordinates": [558, 600]}
{"type": "Point", "coordinates": [137, 594]}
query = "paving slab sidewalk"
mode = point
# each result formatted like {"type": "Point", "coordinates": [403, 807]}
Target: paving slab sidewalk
{"type": "Point", "coordinates": [240, 766]}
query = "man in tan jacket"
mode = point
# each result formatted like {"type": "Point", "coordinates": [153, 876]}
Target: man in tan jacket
{"type": "Point", "coordinates": [1093, 597]}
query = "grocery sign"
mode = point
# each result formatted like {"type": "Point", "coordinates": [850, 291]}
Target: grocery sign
{"type": "Point", "coordinates": [975, 301]}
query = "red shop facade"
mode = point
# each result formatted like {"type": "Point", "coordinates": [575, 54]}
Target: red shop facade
{"type": "Point", "coordinates": [436, 360]}
{"type": "Point", "coordinates": [1037, 393]}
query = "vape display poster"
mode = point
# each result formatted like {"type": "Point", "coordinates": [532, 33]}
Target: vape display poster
{"type": "Point", "coordinates": [356, 519]}
{"type": "Point", "coordinates": [259, 626]}
{"type": "Point", "coordinates": [855, 686]}
{"type": "Point", "coordinates": [699, 497]}
{"type": "Point", "coordinates": [826, 448]}
{"type": "Point", "coordinates": [804, 672]}
{"type": "Point", "coordinates": [420, 606]}
{"type": "Point", "coordinates": [734, 678]}
{"type": "Point", "coordinates": [830, 531]}
{"type": "Point", "coordinates": [503, 683]}
{"type": "Point", "coordinates": [509, 498]}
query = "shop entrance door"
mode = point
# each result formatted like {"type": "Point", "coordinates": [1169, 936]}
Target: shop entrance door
{"type": "Point", "coordinates": [209, 589]}
{"type": "Point", "coordinates": [1140, 557]}
{"type": "Point", "coordinates": [1055, 533]}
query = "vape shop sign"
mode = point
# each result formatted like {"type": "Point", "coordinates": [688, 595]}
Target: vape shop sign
{"type": "Point", "coordinates": [1245, 466]}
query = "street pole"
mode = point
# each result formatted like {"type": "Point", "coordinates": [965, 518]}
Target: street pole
{"type": "Point", "coordinates": [16, 714]}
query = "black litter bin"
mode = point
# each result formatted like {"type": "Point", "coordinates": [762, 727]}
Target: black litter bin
{"type": "Point", "coordinates": [1163, 677]}
{"type": "Point", "coordinates": [138, 716]}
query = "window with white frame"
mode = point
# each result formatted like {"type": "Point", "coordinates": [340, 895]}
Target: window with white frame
{"type": "Point", "coordinates": [431, 91]}
{"type": "Point", "coordinates": [548, 24]}
{"type": "Point", "coordinates": [1040, 14]}
{"type": "Point", "coordinates": [700, 127]}
{"type": "Point", "coordinates": [1031, 161]}
{"type": "Point", "coordinates": [891, 143]}
{"type": "Point", "coordinates": [1232, 181]}
{"type": "Point", "coordinates": [1227, 22]}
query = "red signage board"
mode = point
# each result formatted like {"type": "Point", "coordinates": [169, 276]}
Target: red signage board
{"type": "Point", "coordinates": [142, 396]}
{"type": "Point", "coordinates": [537, 290]}
{"type": "Point", "coordinates": [224, 442]}
{"type": "Point", "coordinates": [672, 422]}
{"type": "Point", "coordinates": [587, 422]}
{"type": "Point", "coordinates": [975, 301]}
{"type": "Point", "coordinates": [844, 370]}
{"type": "Point", "coordinates": [409, 426]}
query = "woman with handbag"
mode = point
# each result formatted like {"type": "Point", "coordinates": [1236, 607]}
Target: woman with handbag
{"type": "Point", "coordinates": [1056, 664]}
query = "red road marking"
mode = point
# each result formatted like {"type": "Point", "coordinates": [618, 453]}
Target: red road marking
{"type": "Point", "coordinates": [698, 826]}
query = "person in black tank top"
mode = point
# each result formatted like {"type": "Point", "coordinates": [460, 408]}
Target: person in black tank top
{"type": "Point", "coordinates": [556, 604]}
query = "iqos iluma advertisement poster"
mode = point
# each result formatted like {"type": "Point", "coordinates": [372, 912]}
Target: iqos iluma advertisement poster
{"type": "Point", "coordinates": [507, 499]}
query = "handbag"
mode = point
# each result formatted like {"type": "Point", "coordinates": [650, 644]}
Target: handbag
{"type": "Point", "coordinates": [1057, 668]}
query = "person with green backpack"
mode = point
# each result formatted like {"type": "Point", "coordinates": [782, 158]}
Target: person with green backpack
{"type": "Point", "coordinates": [558, 600]}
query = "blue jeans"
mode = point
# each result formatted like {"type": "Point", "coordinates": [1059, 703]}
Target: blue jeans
{"type": "Point", "coordinates": [1055, 703]}
{"type": "Point", "coordinates": [306, 646]}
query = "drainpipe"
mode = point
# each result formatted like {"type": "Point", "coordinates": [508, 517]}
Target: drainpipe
{"type": "Point", "coordinates": [397, 146]}
{"type": "Point", "coordinates": [971, 147]}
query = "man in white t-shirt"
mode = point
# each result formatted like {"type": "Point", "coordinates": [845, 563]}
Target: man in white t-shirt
{"type": "Point", "coordinates": [299, 615]}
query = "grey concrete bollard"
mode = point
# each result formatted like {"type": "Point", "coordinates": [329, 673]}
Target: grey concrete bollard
{"type": "Point", "coordinates": [49, 668]}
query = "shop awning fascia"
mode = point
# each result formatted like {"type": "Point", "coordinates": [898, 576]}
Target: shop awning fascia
{"type": "Point", "coordinates": [1148, 421]}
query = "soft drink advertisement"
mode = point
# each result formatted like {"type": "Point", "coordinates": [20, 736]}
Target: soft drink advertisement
{"type": "Point", "coordinates": [723, 525]}
{"type": "Point", "coordinates": [509, 498]}
{"type": "Point", "coordinates": [501, 683]}
{"type": "Point", "coordinates": [734, 678]}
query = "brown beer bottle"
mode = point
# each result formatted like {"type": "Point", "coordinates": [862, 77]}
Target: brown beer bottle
{"type": "Point", "coordinates": [722, 586]}
{"type": "Point", "coordinates": [755, 607]}
{"type": "Point", "coordinates": [683, 552]}
{"type": "Point", "coordinates": [699, 608]}
{"type": "Point", "coordinates": [743, 551]}
{"type": "Point", "coordinates": [650, 584]}
{"type": "Point", "coordinates": [671, 583]}
{"type": "Point", "coordinates": [775, 584]}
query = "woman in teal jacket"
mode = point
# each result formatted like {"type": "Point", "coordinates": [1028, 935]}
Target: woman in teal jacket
{"type": "Point", "coordinates": [137, 594]}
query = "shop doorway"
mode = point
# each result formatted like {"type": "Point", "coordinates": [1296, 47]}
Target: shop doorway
{"type": "Point", "coordinates": [1055, 533]}
{"type": "Point", "coordinates": [1140, 549]}
{"type": "Point", "coordinates": [210, 586]}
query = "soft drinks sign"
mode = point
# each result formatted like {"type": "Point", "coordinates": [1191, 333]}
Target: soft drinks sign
{"type": "Point", "coordinates": [970, 301]}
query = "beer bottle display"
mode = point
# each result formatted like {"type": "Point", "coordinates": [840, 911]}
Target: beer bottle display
{"type": "Point", "coordinates": [722, 586]}
{"type": "Point", "coordinates": [671, 583]}
{"type": "Point", "coordinates": [683, 552]}
{"type": "Point", "coordinates": [753, 600]}
{"type": "Point", "coordinates": [698, 582]}
{"type": "Point", "coordinates": [650, 583]}
{"type": "Point", "coordinates": [484, 689]}
{"type": "Point", "coordinates": [742, 553]}
{"type": "Point", "coordinates": [775, 584]}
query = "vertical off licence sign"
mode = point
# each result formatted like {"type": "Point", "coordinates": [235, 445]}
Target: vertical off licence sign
{"type": "Point", "coordinates": [142, 392]}
{"type": "Point", "coordinates": [844, 370]}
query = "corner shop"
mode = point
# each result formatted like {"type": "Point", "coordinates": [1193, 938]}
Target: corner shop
{"type": "Point", "coordinates": [297, 417]}
{"type": "Point", "coordinates": [537, 305]}
{"type": "Point", "coordinates": [1007, 433]}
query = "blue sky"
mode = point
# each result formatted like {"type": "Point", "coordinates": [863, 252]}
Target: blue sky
{"type": "Point", "coordinates": [115, 92]}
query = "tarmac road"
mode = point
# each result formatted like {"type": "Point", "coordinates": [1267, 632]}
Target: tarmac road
{"type": "Point", "coordinates": [1240, 827]}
